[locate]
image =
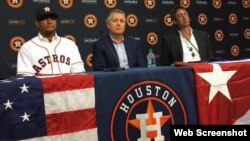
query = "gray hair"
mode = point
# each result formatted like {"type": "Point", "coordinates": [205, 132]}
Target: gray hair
{"type": "Point", "coordinates": [112, 12]}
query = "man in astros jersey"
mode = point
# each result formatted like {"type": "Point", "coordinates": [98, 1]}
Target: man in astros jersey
{"type": "Point", "coordinates": [48, 53]}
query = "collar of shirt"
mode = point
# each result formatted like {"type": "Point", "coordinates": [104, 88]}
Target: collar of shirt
{"type": "Point", "coordinates": [115, 41]}
{"type": "Point", "coordinates": [191, 32]}
{"type": "Point", "coordinates": [55, 38]}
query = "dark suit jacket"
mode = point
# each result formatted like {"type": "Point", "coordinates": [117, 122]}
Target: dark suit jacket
{"type": "Point", "coordinates": [171, 49]}
{"type": "Point", "coordinates": [105, 56]}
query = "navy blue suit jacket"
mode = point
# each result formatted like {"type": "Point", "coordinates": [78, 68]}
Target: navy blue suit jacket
{"type": "Point", "coordinates": [105, 56]}
{"type": "Point", "coordinates": [172, 51]}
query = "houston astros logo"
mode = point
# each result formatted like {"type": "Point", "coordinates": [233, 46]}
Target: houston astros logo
{"type": "Point", "coordinates": [202, 19]}
{"type": "Point", "coordinates": [185, 3]}
{"type": "Point", "coordinates": [247, 33]}
{"type": "Point", "coordinates": [150, 4]}
{"type": "Point", "coordinates": [235, 50]}
{"type": "Point", "coordinates": [232, 18]}
{"type": "Point", "coordinates": [148, 108]}
{"type": "Point", "coordinates": [66, 4]}
{"type": "Point", "coordinates": [132, 20]}
{"type": "Point", "coordinates": [168, 20]}
{"type": "Point", "coordinates": [110, 3]}
{"type": "Point", "coordinates": [71, 37]}
{"type": "Point", "coordinates": [46, 9]}
{"type": "Point", "coordinates": [246, 3]}
{"type": "Point", "coordinates": [15, 3]}
{"type": "Point", "coordinates": [16, 42]}
{"type": "Point", "coordinates": [89, 59]}
{"type": "Point", "coordinates": [152, 38]}
{"type": "Point", "coordinates": [219, 35]}
{"type": "Point", "coordinates": [217, 4]}
{"type": "Point", "coordinates": [90, 21]}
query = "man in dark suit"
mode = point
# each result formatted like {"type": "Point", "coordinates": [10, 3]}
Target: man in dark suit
{"type": "Point", "coordinates": [185, 44]}
{"type": "Point", "coordinates": [114, 50]}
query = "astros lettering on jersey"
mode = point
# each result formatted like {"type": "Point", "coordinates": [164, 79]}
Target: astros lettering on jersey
{"type": "Point", "coordinates": [39, 56]}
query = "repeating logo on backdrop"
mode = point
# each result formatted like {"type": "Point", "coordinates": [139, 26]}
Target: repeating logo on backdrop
{"type": "Point", "coordinates": [16, 42]}
{"type": "Point", "coordinates": [152, 38]}
{"type": "Point", "coordinates": [145, 111]}
{"type": "Point", "coordinates": [15, 3]}
{"type": "Point", "coordinates": [66, 4]}
{"type": "Point", "coordinates": [168, 20]}
{"type": "Point", "coordinates": [89, 59]}
{"type": "Point", "coordinates": [219, 35]}
{"type": "Point", "coordinates": [217, 4]}
{"type": "Point", "coordinates": [150, 4]}
{"type": "Point", "coordinates": [71, 37]}
{"type": "Point", "coordinates": [202, 19]}
{"type": "Point", "coordinates": [246, 3]}
{"type": "Point", "coordinates": [90, 21]}
{"type": "Point", "coordinates": [185, 3]}
{"type": "Point", "coordinates": [235, 50]}
{"type": "Point", "coordinates": [247, 33]}
{"type": "Point", "coordinates": [110, 3]}
{"type": "Point", "coordinates": [132, 20]}
{"type": "Point", "coordinates": [232, 18]}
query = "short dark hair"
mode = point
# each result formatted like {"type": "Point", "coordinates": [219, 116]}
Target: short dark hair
{"type": "Point", "coordinates": [174, 9]}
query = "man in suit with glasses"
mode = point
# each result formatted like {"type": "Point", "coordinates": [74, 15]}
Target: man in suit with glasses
{"type": "Point", "coordinates": [185, 44]}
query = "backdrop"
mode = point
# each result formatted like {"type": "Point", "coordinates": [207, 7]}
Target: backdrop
{"type": "Point", "coordinates": [226, 21]}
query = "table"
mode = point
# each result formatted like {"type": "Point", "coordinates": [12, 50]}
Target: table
{"type": "Point", "coordinates": [126, 105]}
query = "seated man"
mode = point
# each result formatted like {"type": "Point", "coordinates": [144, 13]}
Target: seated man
{"type": "Point", "coordinates": [114, 50]}
{"type": "Point", "coordinates": [185, 44]}
{"type": "Point", "coordinates": [48, 53]}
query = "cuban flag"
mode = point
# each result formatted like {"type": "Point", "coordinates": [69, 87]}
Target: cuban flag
{"type": "Point", "coordinates": [222, 90]}
{"type": "Point", "coordinates": [56, 108]}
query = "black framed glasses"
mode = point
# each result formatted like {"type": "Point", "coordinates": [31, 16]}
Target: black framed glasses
{"type": "Point", "coordinates": [191, 50]}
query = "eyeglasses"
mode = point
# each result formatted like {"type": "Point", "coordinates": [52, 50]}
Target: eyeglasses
{"type": "Point", "coordinates": [191, 50]}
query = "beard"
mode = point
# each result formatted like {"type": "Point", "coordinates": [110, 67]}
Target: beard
{"type": "Point", "coordinates": [49, 33]}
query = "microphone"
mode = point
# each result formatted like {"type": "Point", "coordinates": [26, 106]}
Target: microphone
{"type": "Point", "coordinates": [114, 69]}
{"type": "Point", "coordinates": [3, 74]}
{"type": "Point", "coordinates": [214, 59]}
{"type": "Point", "coordinates": [101, 32]}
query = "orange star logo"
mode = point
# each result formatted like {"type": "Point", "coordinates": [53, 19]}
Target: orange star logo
{"type": "Point", "coordinates": [150, 121]}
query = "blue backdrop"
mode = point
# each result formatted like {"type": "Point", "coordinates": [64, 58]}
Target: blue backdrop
{"type": "Point", "coordinates": [226, 21]}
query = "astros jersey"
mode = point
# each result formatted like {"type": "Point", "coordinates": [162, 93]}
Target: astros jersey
{"type": "Point", "coordinates": [39, 56]}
